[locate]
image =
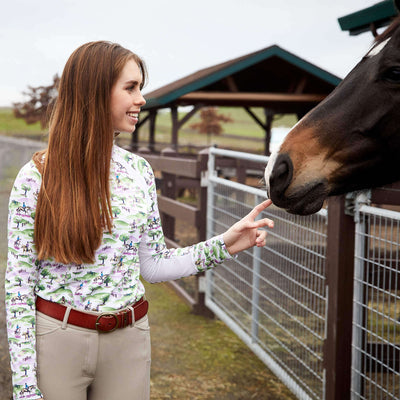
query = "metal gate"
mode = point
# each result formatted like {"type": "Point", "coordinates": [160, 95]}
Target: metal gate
{"type": "Point", "coordinates": [276, 298]}
{"type": "Point", "coordinates": [273, 298]}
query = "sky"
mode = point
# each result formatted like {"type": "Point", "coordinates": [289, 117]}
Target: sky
{"type": "Point", "coordinates": [174, 37]}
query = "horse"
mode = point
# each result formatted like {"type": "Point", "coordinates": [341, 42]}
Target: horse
{"type": "Point", "coordinates": [348, 142]}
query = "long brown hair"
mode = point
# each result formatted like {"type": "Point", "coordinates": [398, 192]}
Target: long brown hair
{"type": "Point", "coordinates": [74, 204]}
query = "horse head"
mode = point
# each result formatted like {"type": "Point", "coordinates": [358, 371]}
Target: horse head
{"type": "Point", "coordinates": [350, 141]}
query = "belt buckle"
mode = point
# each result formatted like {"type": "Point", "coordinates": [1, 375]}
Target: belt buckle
{"type": "Point", "coordinates": [97, 324]}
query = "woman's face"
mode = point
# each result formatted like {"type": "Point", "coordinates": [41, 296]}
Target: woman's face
{"type": "Point", "coordinates": [126, 98]}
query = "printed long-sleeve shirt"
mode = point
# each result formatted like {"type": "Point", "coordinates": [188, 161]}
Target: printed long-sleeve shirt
{"type": "Point", "coordinates": [135, 247]}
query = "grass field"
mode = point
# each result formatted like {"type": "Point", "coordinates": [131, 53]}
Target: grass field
{"type": "Point", "coordinates": [9, 125]}
{"type": "Point", "coordinates": [243, 133]}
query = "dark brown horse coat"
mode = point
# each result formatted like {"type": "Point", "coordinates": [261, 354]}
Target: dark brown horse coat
{"type": "Point", "coordinates": [350, 141]}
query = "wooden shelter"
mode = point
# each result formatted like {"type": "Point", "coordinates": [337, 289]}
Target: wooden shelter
{"type": "Point", "coordinates": [272, 78]}
{"type": "Point", "coordinates": [371, 18]}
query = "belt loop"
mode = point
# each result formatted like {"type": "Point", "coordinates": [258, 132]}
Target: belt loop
{"type": "Point", "coordinates": [133, 315]}
{"type": "Point", "coordinates": [66, 316]}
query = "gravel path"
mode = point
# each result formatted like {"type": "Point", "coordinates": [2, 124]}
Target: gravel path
{"type": "Point", "coordinates": [14, 152]}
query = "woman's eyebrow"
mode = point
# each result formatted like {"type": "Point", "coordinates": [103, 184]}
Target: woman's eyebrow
{"type": "Point", "coordinates": [132, 82]}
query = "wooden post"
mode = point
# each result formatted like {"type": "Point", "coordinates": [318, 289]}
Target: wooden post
{"type": "Point", "coordinates": [135, 140]}
{"type": "Point", "coordinates": [135, 134]}
{"type": "Point", "coordinates": [269, 117]}
{"type": "Point", "coordinates": [175, 128]}
{"type": "Point", "coordinates": [168, 189]}
{"type": "Point", "coordinates": [340, 272]}
{"type": "Point", "coordinates": [267, 126]}
{"type": "Point", "coordinates": [199, 308]}
{"type": "Point", "coordinates": [152, 128]}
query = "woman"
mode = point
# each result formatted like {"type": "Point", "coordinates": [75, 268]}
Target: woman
{"type": "Point", "coordinates": [83, 225]}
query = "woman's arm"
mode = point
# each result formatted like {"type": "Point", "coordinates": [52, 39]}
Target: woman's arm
{"type": "Point", "coordinates": [246, 233]}
{"type": "Point", "coordinates": [20, 280]}
{"type": "Point", "coordinates": [157, 263]}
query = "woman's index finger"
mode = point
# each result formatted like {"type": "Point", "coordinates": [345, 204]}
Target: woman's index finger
{"type": "Point", "coordinates": [259, 208]}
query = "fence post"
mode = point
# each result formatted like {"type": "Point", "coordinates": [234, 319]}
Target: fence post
{"type": "Point", "coordinates": [200, 308]}
{"type": "Point", "coordinates": [202, 159]}
{"type": "Point", "coordinates": [359, 314]}
{"type": "Point", "coordinates": [168, 189]}
{"type": "Point", "coordinates": [340, 272]}
{"type": "Point", "coordinates": [255, 300]}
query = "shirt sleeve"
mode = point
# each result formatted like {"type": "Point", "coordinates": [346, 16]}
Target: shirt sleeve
{"type": "Point", "coordinates": [20, 281]}
{"type": "Point", "coordinates": [157, 263]}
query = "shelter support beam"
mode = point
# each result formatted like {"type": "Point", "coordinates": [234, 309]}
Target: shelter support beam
{"type": "Point", "coordinates": [267, 126]}
{"type": "Point", "coordinates": [269, 117]}
{"type": "Point", "coordinates": [301, 84]}
{"type": "Point", "coordinates": [135, 133]}
{"type": "Point", "coordinates": [177, 124]}
{"type": "Point", "coordinates": [230, 82]}
{"type": "Point", "coordinates": [152, 128]}
{"type": "Point", "coordinates": [175, 128]}
{"type": "Point", "coordinates": [251, 98]}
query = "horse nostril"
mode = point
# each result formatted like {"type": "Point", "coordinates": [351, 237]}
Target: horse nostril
{"type": "Point", "coordinates": [281, 170]}
{"type": "Point", "coordinates": [281, 174]}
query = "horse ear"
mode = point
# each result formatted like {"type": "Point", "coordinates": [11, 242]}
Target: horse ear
{"type": "Point", "coordinates": [397, 5]}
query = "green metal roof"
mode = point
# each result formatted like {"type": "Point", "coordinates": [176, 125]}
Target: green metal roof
{"type": "Point", "coordinates": [200, 79]}
{"type": "Point", "coordinates": [381, 14]}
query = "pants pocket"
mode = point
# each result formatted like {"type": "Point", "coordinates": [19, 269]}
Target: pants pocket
{"type": "Point", "coordinates": [46, 325]}
{"type": "Point", "coordinates": [142, 324]}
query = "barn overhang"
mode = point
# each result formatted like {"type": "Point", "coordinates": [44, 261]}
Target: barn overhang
{"type": "Point", "coordinates": [273, 78]}
{"type": "Point", "coordinates": [369, 19]}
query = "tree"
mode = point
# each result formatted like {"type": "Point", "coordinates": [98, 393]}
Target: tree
{"type": "Point", "coordinates": [210, 121]}
{"type": "Point", "coordinates": [44, 272]}
{"type": "Point", "coordinates": [39, 105]}
{"type": "Point", "coordinates": [116, 211]}
{"type": "Point", "coordinates": [25, 369]}
{"type": "Point", "coordinates": [124, 238]}
{"type": "Point", "coordinates": [25, 188]}
{"type": "Point", "coordinates": [103, 257]}
{"type": "Point", "coordinates": [18, 221]}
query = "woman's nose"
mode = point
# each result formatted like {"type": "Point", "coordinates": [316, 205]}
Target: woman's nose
{"type": "Point", "coordinates": [140, 100]}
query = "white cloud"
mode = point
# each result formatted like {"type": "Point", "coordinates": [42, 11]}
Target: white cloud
{"type": "Point", "coordinates": [175, 38]}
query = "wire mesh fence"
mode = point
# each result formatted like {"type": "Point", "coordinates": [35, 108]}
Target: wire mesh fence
{"type": "Point", "coordinates": [376, 327]}
{"type": "Point", "coordinates": [274, 298]}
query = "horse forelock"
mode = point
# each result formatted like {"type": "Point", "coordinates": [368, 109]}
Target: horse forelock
{"type": "Point", "coordinates": [382, 40]}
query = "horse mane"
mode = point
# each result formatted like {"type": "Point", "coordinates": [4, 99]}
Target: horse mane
{"type": "Point", "coordinates": [389, 31]}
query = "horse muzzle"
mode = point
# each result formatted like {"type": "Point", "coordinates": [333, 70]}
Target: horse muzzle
{"type": "Point", "coordinates": [304, 199]}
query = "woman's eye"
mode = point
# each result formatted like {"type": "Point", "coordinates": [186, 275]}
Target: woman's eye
{"type": "Point", "coordinates": [392, 75]}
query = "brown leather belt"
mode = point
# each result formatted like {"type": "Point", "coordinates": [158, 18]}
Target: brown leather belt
{"type": "Point", "coordinates": [104, 322]}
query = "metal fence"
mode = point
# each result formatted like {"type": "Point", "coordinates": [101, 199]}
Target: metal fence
{"type": "Point", "coordinates": [273, 298]}
{"type": "Point", "coordinates": [376, 312]}
{"type": "Point", "coordinates": [276, 298]}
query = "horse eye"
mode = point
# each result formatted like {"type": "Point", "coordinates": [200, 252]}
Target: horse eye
{"type": "Point", "coordinates": [392, 75]}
